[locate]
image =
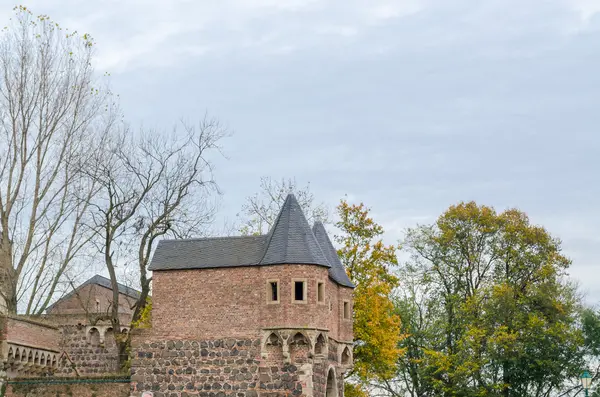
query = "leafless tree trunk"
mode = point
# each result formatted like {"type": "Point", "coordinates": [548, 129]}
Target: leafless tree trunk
{"type": "Point", "coordinates": [50, 109]}
{"type": "Point", "coordinates": [260, 210]}
{"type": "Point", "coordinates": [151, 186]}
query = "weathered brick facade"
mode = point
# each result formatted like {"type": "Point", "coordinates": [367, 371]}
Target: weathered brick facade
{"type": "Point", "coordinates": [285, 348]}
{"type": "Point", "coordinates": [250, 316]}
{"type": "Point", "coordinates": [247, 317]}
{"type": "Point", "coordinates": [232, 302]}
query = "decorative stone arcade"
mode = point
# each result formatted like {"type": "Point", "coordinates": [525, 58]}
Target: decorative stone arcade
{"type": "Point", "coordinates": [97, 334]}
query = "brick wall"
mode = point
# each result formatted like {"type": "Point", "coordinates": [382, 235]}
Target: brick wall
{"type": "Point", "coordinates": [31, 333]}
{"type": "Point", "coordinates": [232, 302]}
{"type": "Point", "coordinates": [91, 298]}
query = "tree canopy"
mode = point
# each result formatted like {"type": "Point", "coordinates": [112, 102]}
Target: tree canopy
{"type": "Point", "coordinates": [488, 308]}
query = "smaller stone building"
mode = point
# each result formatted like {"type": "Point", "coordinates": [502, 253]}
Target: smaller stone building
{"type": "Point", "coordinates": [248, 316]}
{"type": "Point", "coordinates": [73, 338]}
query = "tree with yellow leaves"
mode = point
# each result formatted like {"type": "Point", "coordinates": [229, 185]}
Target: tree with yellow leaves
{"type": "Point", "coordinates": [369, 264]}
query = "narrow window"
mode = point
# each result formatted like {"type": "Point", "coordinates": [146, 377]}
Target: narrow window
{"type": "Point", "coordinates": [299, 290]}
{"type": "Point", "coordinates": [272, 291]}
{"type": "Point", "coordinates": [274, 296]}
{"type": "Point", "coordinates": [346, 310]}
{"type": "Point", "coordinates": [321, 292]}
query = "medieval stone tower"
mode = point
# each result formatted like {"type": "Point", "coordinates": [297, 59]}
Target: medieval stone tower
{"type": "Point", "coordinates": [248, 316]}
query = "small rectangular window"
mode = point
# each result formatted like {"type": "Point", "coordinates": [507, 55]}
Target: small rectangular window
{"type": "Point", "coordinates": [346, 310]}
{"type": "Point", "coordinates": [272, 291]}
{"type": "Point", "coordinates": [299, 290]}
{"type": "Point", "coordinates": [320, 292]}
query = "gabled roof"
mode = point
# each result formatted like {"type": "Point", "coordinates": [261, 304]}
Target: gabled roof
{"type": "Point", "coordinates": [291, 240]}
{"type": "Point", "coordinates": [337, 271]}
{"type": "Point", "coordinates": [103, 282]}
{"type": "Point", "coordinates": [202, 253]}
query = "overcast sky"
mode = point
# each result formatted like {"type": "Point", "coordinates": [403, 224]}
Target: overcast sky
{"type": "Point", "coordinates": [407, 105]}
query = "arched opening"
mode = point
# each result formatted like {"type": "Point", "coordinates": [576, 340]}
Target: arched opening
{"type": "Point", "coordinates": [299, 348]}
{"type": "Point", "coordinates": [274, 347]}
{"type": "Point", "coordinates": [54, 360]}
{"type": "Point", "coordinates": [299, 339]}
{"type": "Point", "coordinates": [320, 345]}
{"type": "Point", "coordinates": [346, 356]}
{"type": "Point", "coordinates": [273, 340]}
{"type": "Point", "coordinates": [94, 337]}
{"type": "Point", "coordinates": [36, 360]}
{"type": "Point", "coordinates": [43, 360]}
{"type": "Point", "coordinates": [109, 338]}
{"type": "Point", "coordinates": [332, 389]}
{"type": "Point", "coordinates": [11, 354]}
{"type": "Point", "coordinates": [24, 355]}
{"type": "Point", "coordinates": [30, 357]}
{"type": "Point", "coordinates": [18, 355]}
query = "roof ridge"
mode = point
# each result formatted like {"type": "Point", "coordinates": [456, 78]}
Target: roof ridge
{"type": "Point", "coordinates": [337, 271]}
{"type": "Point", "coordinates": [212, 238]}
{"type": "Point", "coordinates": [272, 230]}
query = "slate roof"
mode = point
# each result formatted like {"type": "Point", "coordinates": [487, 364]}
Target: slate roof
{"type": "Point", "coordinates": [337, 271]}
{"type": "Point", "coordinates": [291, 240]}
{"type": "Point", "coordinates": [103, 282]}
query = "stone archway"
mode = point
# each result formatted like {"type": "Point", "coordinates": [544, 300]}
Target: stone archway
{"type": "Point", "coordinates": [331, 389]}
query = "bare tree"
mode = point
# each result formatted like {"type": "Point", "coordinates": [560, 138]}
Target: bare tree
{"type": "Point", "coordinates": [151, 185]}
{"type": "Point", "coordinates": [260, 210]}
{"type": "Point", "coordinates": [50, 108]}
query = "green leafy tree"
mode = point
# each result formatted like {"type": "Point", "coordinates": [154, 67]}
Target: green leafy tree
{"type": "Point", "coordinates": [492, 314]}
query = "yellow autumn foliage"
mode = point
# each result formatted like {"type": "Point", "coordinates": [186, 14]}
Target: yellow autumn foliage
{"type": "Point", "coordinates": [369, 264]}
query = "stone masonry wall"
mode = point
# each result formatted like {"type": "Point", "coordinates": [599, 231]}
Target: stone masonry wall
{"type": "Point", "coordinates": [88, 355]}
{"type": "Point", "coordinates": [281, 363]}
{"type": "Point", "coordinates": [211, 368]}
{"type": "Point", "coordinates": [69, 390]}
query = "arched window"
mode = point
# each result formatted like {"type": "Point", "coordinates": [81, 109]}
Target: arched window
{"type": "Point", "coordinates": [332, 389]}
{"type": "Point", "coordinates": [299, 339]}
{"type": "Point", "coordinates": [94, 336]}
{"type": "Point", "coordinates": [320, 345]}
{"type": "Point", "coordinates": [346, 356]}
{"type": "Point", "coordinates": [273, 340]}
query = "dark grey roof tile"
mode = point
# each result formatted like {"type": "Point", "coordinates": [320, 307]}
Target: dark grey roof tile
{"type": "Point", "coordinates": [291, 240]}
{"type": "Point", "coordinates": [337, 272]}
{"type": "Point", "coordinates": [206, 253]}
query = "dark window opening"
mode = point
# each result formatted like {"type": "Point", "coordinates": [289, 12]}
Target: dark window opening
{"type": "Point", "coordinates": [320, 292]}
{"type": "Point", "coordinates": [274, 292]}
{"type": "Point", "coordinates": [299, 290]}
{"type": "Point", "coordinates": [346, 310]}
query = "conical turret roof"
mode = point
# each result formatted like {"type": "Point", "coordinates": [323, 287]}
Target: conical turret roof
{"type": "Point", "coordinates": [291, 239]}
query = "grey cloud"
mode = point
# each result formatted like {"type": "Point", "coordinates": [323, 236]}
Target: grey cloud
{"type": "Point", "coordinates": [491, 101]}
